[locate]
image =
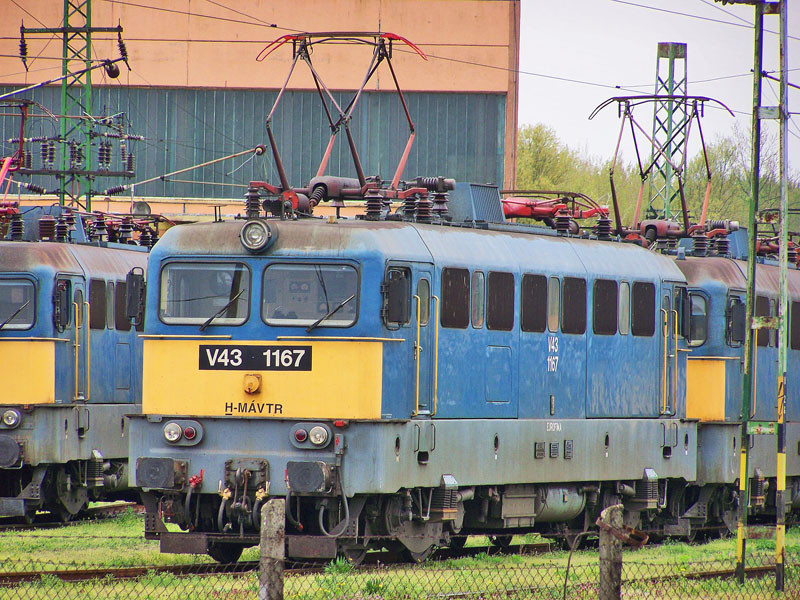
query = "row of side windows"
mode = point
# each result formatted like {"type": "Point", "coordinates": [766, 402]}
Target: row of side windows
{"type": "Point", "coordinates": [547, 303]}
{"type": "Point", "coordinates": [735, 322]}
{"type": "Point", "coordinates": [107, 305]}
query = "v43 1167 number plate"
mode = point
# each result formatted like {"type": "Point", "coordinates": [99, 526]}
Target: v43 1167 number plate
{"type": "Point", "coordinates": [254, 358]}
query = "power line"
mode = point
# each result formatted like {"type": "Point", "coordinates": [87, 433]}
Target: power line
{"type": "Point", "coordinates": [191, 14]}
{"type": "Point", "coordinates": [727, 12]}
{"type": "Point", "coordinates": [27, 13]}
{"type": "Point", "coordinates": [691, 16]}
{"type": "Point", "coordinates": [238, 12]}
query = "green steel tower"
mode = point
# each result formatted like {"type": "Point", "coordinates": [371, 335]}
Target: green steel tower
{"type": "Point", "coordinates": [670, 120]}
{"type": "Point", "coordinates": [75, 175]}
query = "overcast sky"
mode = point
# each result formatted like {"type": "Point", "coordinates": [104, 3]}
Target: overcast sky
{"type": "Point", "coordinates": [613, 43]}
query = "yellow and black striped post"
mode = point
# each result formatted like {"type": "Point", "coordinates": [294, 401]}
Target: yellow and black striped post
{"type": "Point", "coordinates": [783, 312]}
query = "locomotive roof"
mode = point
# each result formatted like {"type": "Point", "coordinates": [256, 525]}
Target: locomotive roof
{"type": "Point", "coordinates": [32, 257]}
{"type": "Point", "coordinates": [452, 246]}
{"type": "Point", "coordinates": [731, 273]}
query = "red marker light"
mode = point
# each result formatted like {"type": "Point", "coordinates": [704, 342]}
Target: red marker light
{"type": "Point", "coordinates": [189, 432]}
{"type": "Point", "coordinates": [301, 435]}
{"type": "Point", "coordinates": [340, 423]}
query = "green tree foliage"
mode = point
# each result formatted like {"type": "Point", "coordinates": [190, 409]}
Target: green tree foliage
{"type": "Point", "coordinates": [546, 163]}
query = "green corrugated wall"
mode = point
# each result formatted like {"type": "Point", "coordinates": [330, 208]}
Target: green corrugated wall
{"type": "Point", "coordinates": [458, 135]}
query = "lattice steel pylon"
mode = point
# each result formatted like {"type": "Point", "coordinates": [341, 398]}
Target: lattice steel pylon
{"type": "Point", "coordinates": [77, 127]}
{"type": "Point", "coordinates": [669, 128]}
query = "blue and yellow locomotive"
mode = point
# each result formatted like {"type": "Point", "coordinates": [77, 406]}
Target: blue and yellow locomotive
{"type": "Point", "coordinates": [71, 361]}
{"type": "Point", "coordinates": [717, 290]}
{"type": "Point", "coordinates": [405, 383]}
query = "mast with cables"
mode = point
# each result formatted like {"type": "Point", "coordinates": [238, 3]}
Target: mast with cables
{"type": "Point", "coordinates": [77, 125]}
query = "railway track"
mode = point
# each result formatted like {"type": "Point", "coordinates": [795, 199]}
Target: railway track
{"type": "Point", "coordinates": [373, 558]}
{"type": "Point", "coordinates": [9, 579]}
{"type": "Point", "coordinates": [91, 514]}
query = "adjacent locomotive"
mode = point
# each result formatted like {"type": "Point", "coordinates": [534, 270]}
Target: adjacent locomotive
{"type": "Point", "coordinates": [403, 384]}
{"type": "Point", "coordinates": [71, 361]}
{"type": "Point", "coordinates": [717, 290]}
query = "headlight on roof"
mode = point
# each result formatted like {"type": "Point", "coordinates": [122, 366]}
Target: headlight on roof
{"type": "Point", "coordinates": [255, 235]}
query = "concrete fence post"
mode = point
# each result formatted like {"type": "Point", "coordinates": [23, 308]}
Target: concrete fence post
{"type": "Point", "coordinates": [270, 568]}
{"type": "Point", "coordinates": [610, 553]}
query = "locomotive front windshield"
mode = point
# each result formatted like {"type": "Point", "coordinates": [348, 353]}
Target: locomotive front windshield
{"type": "Point", "coordinates": [194, 293]}
{"type": "Point", "coordinates": [309, 295]}
{"type": "Point", "coordinates": [17, 306]}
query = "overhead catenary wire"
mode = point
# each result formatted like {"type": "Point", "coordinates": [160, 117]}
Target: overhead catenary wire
{"type": "Point", "coordinates": [691, 16]}
{"type": "Point", "coordinates": [259, 150]}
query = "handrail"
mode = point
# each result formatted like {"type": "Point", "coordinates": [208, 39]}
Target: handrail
{"type": "Point", "coordinates": [32, 339]}
{"type": "Point", "coordinates": [436, 359]}
{"type": "Point", "coordinates": [417, 352]}
{"type": "Point", "coordinates": [664, 326]}
{"type": "Point", "coordinates": [156, 336]}
{"type": "Point", "coordinates": [675, 363]}
{"type": "Point", "coordinates": [76, 346]}
{"type": "Point", "coordinates": [88, 353]}
{"type": "Point", "coordinates": [753, 392]}
{"type": "Point", "coordinates": [337, 338]}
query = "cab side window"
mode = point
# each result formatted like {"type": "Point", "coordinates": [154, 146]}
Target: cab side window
{"type": "Point", "coordinates": [698, 325]}
{"type": "Point", "coordinates": [397, 302]}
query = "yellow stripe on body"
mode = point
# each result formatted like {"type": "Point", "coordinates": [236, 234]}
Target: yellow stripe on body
{"type": "Point", "coordinates": [344, 382]}
{"type": "Point", "coordinates": [29, 371]}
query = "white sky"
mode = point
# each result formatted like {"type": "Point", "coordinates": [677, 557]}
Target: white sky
{"type": "Point", "coordinates": [613, 42]}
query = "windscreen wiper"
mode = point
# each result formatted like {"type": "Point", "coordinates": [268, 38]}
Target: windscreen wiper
{"type": "Point", "coordinates": [16, 312]}
{"type": "Point", "coordinates": [330, 314]}
{"type": "Point", "coordinates": [221, 310]}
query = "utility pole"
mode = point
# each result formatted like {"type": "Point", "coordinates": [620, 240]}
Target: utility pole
{"type": "Point", "coordinates": [669, 127]}
{"type": "Point", "coordinates": [75, 175]}
{"type": "Point", "coordinates": [748, 427]}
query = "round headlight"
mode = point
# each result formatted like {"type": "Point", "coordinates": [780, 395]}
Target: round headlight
{"type": "Point", "coordinates": [11, 418]}
{"type": "Point", "coordinates": [172, 432]}
{"type": "Point", "coordinates": [318, 435]}
{"type": "Point", "coordinates": [255, 235]}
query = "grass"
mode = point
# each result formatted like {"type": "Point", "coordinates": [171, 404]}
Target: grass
{"type": "Point", "coordinates": [120, 542]}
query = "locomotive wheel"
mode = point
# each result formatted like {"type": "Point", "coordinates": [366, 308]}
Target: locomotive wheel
{"type": "Point", "coordinates": [501, 541]}
{"type": "Point", "coordinates": [225, 553]}
{"type": "Point", "coordinates": [29, 517]}
{"type": "Point", "coordinates": [418, 557]}
{"type": "Point", "coordinates": [418, 538]}
{"type": "Point", "coordinates": [70, 498]}
{"type": "Point", "coordinates": [354, 554]}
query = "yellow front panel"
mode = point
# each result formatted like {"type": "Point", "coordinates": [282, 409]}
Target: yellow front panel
{"type": "Point", "coordinates": [344, 382]}
{"type": "Point", "coordinates": [28, 372]}
{"type": "Point", "coordinates": [705, 389]}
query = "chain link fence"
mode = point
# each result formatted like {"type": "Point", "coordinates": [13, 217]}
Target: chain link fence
{"type": "Point", "coordinates": [483, 576]}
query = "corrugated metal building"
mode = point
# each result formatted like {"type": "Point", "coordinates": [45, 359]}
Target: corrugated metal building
{"type": "Point", "coordinates": [196, 92]}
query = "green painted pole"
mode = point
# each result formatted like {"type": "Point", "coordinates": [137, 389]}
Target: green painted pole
{"type": "Point", "coordinates": [747, 378]}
